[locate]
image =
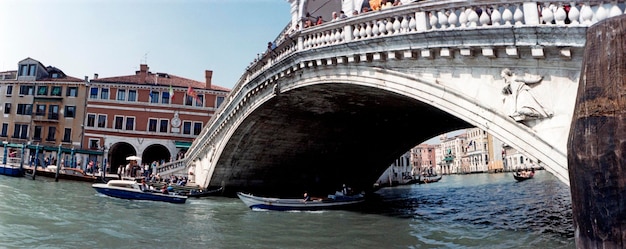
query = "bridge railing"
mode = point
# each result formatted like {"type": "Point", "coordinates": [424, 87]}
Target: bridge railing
{"type": "Point", "coordinates": [419, 17]}
{"type": "Point", "coordinates": [434, 16]}
{"type": "Point", "coordinates": [171, 167]}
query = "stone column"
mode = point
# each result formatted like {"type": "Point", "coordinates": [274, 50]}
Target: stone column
{"type": "Point", "coordinates": [597, 140]}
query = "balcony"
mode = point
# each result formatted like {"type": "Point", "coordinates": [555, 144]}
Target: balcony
{"type": "Point", "coordinates": [42, 117]}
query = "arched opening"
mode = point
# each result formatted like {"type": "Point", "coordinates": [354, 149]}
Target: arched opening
{"type": "Point", "coordinates": [118, 154]}
{"type": "Point", "coordinates": [155, 152]}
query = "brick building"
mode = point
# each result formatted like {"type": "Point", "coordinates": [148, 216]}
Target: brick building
{"type": "Point", "coordinates": [153, 115]}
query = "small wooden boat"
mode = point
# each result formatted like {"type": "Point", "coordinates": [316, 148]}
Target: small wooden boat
{"type": "Point", "coordinates": [202, 192]}
{"type": "Point", "coordinates": [429, 179]}
{"type": "Point", "coordinates": [127, 189]}
{"type": "Point", "coordinates": [332, 202]}
{"type": "Point", "coordinates": [519, 176]}
{"type": "Point", "coordinates": [73, 174]}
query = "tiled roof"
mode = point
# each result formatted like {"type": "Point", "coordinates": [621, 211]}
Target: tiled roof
{"type": "Point", "coordinates": [161, 80]}
{"type": "Point", "coordinates": [64, 79]}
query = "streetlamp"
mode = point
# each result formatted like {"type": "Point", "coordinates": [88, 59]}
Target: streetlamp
{"type": "Point", "coordinates": [4, 159]}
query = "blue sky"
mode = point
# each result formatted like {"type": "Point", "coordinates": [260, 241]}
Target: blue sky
{"type": "Point", "coordinates": [112, 37]}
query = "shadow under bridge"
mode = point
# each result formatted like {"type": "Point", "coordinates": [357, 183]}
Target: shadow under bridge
{"type": "Point", "coordinates": [318, 137]}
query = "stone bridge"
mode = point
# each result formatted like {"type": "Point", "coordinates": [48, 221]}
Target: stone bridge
{"type": "Point", "coordinates": [338, 102]}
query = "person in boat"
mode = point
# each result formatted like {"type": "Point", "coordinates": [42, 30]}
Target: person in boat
{"type": "Point", "coordinates": [164, 190]}
{"type": "Point", "coordinates": [306, 197]}
{"type": "Point", "coordinates": [345, 190]}
{"type": "Point", "coordinates": [143, 186]}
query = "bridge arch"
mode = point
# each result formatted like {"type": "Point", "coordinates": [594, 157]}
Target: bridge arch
{"type": "Point", "coordinates": [347, 102]}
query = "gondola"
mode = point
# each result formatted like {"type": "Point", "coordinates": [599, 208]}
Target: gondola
{"type": "Point", "coordinates": [202, 192]}
{"type": "Point", "coordinates": [428, 179]}
{"type": "Point", "coordinates": [332, 202]}
{"type": "Point", "coordinates": [518, 177]}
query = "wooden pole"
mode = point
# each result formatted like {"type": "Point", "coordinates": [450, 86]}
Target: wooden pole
{"type": "Point", "coordinates": [597, 140]}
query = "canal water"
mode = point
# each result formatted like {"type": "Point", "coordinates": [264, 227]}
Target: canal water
{"type": "Point", "coordinates": [460, 211]}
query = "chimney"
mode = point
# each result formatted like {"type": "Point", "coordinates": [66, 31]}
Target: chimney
{"type": "Point", "coordinates": [143, 72]}
{"type": "Point", "coordinates": [208, 74]}
{"type": "Point", "coordinates": [95, 76]}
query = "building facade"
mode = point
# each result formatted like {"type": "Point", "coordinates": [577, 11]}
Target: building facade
{"type": "Point", "coordinates": [152, 115]}
{"type": "Point", "coordinates": [476, 158]}
{"type": "Point", "coordinates": [43, 109]}
{"type": "Point", "coordinates": [451, 153]}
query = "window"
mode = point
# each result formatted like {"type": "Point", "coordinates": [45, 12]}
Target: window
{"type": "Point", "coordinates": [67, 135]}
{"type": "Point", "coordinates": [56, 91]}
{"type": "Point", "coordinates": [9, 89]}
{"type": "Point", "coordinates": [70, 111]}
{"type": "Point", "coordinates": [154, 97]}
{"type": "Point", "coordinates": [152, 125]}
{"type": "Point", "coordinates": [41, 110]}
{"type": "Point", "coordinates": [31, 69]}
{"type": "Point", "coordinates": [200, 100]}
{"type": "Point", "coordinates": [5, 130]}
{"type": "Point", "coordinates": [37, 135]}
{"type": "Point", "coordinates": [219, 102]}
{"type": "Point", "coordinates": [72, 91]}
{"type": "Point", "coordinates": [94, 144]}
{"type": "Point", "coordinates": [27, 90]}
{"type": "Point", "coordinates": [53, 112]}
{"type": "Point", "coordinates": [104, 93]}
{"type": "Point", "coordinates": [188, 100]}
{"type": "Point", "coordinates": [23, 70]}
{"type": "Point", "coordinates": [51, 133]}
{"type": "Point", "coordinates": [121, 94]}
{"type": "Point", "coordinates": [91, 120]}
{"type": "Point", "coordinates": [42, 90]}
{"type": "Point", "coordinates": [24, 109]}
{"type": "Point", "coordinates": [187, 127]}
{"type": "Point", "coordinates": [20, 131]}
{"type": "Point", "coordinates": [165, 98]}
{"type": "Point", "coordinates": [197, 128]}
{"type": "Point", "coordinates": [130, 123]}
{"type": "Point", "coordinates": [132, 95]}
{"type": "Point", "coordinates": [164, 125]}
{"type": "Point", "coordinates": [7, 108]}
{"type": "Point", "coordinates": [93, 93]}
{"type": "Point", "coordinates": [119, 122]}
{"type": "Point", "coordinates": [102, 121]}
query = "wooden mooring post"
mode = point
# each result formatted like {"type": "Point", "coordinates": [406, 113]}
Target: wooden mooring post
{"type": "Point", "coordinates": [597, 139]}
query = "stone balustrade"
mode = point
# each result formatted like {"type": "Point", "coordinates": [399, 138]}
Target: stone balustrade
{"type": "Point", "coordinates": [171, 167]}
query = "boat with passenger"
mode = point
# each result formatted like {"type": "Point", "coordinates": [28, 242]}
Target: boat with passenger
{"type": "Point", "coordinates": [338, 200]}
{"type": "Point", "coordinates": [202, 192]}
{"type": "Point", "coordinates": [429, 179]}
{"type": "Point", "coordinates": [524, 175]}
{"type": "Point", "coordinates": [132, 190]}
